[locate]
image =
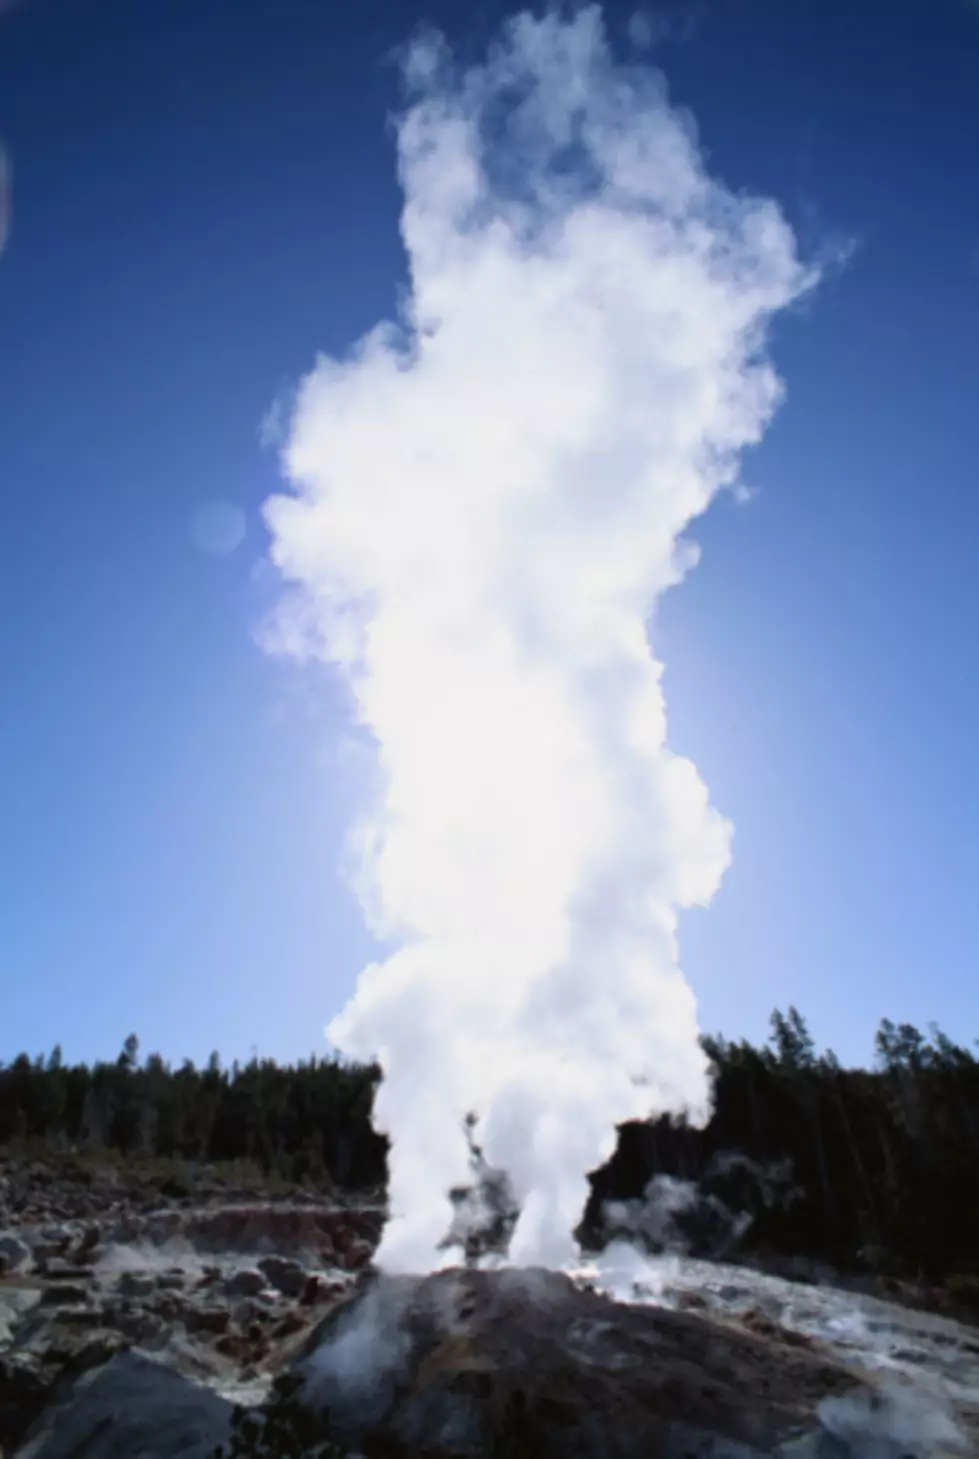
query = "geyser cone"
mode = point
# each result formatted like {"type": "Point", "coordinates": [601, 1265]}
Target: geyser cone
{"type": "Point", "coordinates": [485, 503]}
{"type": "Point", "coordinates": [528, 1362]}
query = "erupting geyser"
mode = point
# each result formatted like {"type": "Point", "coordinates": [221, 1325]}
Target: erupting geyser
{"type": "Point", "coordinates": [485, 502]}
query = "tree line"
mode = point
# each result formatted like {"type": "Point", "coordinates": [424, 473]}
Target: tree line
{"type": "Point", "coordinates": [874, 1169]}
{"type": "Point", "coordinates": [308, 1123]}
{"type": "Point", "coordinates": [864, 1169]}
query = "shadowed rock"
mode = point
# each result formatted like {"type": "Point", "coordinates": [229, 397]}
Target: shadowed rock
{"type": "Point", "coordinates": [132, 1408]}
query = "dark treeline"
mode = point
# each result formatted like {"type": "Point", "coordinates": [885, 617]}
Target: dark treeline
{"type": "Point", "coordinates": [875, 1169]}
{"type": "Point", "coordinates": [306, 1123]}
{"type": "Point", "coordinates": [864, 1169]}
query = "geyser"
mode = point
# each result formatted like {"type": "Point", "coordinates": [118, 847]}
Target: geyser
{"type": "Point", "coordinates": [484, 502]}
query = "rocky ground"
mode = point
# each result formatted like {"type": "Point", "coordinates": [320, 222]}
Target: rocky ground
{"type": "Point", "coordinates": [139, 1303]}
{"type": "Point", "coordinates": [201, 1270]}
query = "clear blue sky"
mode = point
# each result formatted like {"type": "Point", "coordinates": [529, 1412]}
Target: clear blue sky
{"type": "Point", "coordinates": [204, 196]}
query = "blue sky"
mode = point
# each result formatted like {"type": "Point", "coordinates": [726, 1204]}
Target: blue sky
{"type": "Point", "coordinates": [204, 196]}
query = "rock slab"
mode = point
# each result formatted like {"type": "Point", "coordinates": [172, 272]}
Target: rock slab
{"type": "Point", "coordinates": [131, 1408]}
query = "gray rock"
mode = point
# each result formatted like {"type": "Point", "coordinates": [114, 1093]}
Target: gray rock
{"type": "Point", "coordinates": [24, 1391]}
{"type": "Point", "coordinates": [58, 1234]}
{"type": "Point", "coordinates": [60, 1293]}
{"type": "Point", "coordinates": [248, 1310]}
{"type": "Point", "coordinates": [45, 1251]}
{"type": "Point", "coordinates": [137, 1284]}
{"type": "Point", "coordinates": [15, 1303]}
{"type": "Point", "coordinates": [79, 1315]}
{"type": "Point", "coordinates": [132, 1408]}
{"type": "Point", "coordinates": [67, 1271]}
{"type": "Point", "coordinates": [245, 1283]}
{"type": "Point", "coordinates": [147, 1329]}
{"type": "Point", "coordinates": [15, 1254]}
{"type": "Point", "coordinates": [288, 1277]}
{"type": "Point", "coordinates": [213, 1320]}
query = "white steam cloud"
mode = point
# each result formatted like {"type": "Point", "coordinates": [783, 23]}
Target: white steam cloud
{"type": "Point", "coordinates": [485, 504]}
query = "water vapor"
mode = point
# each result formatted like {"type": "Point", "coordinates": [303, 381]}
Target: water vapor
{"type": "Point", "coordinates": [484, 503]}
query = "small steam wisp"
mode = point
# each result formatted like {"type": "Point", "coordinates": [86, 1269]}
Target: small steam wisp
{"type": "Point", "coordinates": [485, 503]}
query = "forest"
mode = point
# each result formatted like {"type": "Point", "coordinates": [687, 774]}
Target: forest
{"type": "Point", "coordinates": [871, 1170]}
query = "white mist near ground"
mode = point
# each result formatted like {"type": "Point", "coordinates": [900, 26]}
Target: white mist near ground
{"type": "Point", "coordinates": [485, 502]}
{"type": "Point", "coordinates": [897, 1423]}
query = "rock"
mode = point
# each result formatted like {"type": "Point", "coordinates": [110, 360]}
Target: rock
{"type": "Point", "coordinates": [147, 1329]}
{"type": "Point", "coordinates": [132, 1406]}
{"type": "Point", "coordinates": [285, 1275]}
{"type": "Point", "coordinates": [236, 1346]}
{"type": "Point", "coordinates": [60, 1270]}
{"type": "Point", "coordinates": [205, 1319]}
{"type": "Point", "coordinates": [245, 1283]}
{"type": "Point", "coordinates": [462, 1359]}
{"type": "Point", "coordinates": [691, 1301]}
{"type": "Point", "coordinates": [15, 1254]}
{"type": "Point", "coordinates": [63, 1292]}
{"type": "Point", "coordinates": [80, 1315]}
{"type": "Point", "coordinates": [15, 1303]}
{"type": "Point", "coordinates": [24, 1391]}
{"type": "Point", "coordinates": [169, 1307]}
{"type": "Point", "coordinates": [279, 1229]}
{"type": "Point", "coordinates": [249, 1310]}
{"type": "Point", "coordinates": [288, 1326]}
{"type": "Point", "coordinates": [45, 1251]}
{"type": "Point", "coordinates": [137, 1284]}
{"type": "Point", "coordinates": [316, 1290]}
{"type": "Point", "coordinates": [57, 1235]}
{"type": "Point", "coordinates": [358, 1254]}
{"type": "Point", "coordinates": [88, 1243]}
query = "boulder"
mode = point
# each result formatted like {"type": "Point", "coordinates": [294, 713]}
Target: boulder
{"type": "Point", "coordinates": [59, 1270]}
{"type": "Point", "coordinates": [249, 1309]}
{"type": "Point", "coordinates": [23, 1395]}
{"type": "Point", "coordinates": [15, 1254]}
{"type": "Point", "coordinates": [147, 1329]}
{"type": "Point", "coordinates": [130, 1408]}
{"type": "Point", "coordinates": [462, 1360]}
{"type": "Point", "coordinates": [137, 1284]}
{"type": "Point", "coordinates": [245, 1283]}
{"type": "Point", "coordinates": [17, 1298]}
{"type": "Point", "coordinates": [57, 1234]}
{"type": "Point", "coordinates": [208, 1319]}
{"type": "Point", "coordinates": [79, 1314]}
{"type": "Point", "coordinates": [286, 1276]}
{"type": "Point", "coordinates": [58, 1294]}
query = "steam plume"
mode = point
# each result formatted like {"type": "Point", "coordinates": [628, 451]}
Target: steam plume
{"type": "Point", "coordinates": [486, 502]}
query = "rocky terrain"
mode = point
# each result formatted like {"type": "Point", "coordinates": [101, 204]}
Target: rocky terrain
{"type": "Point", "coordinates": [212, 1278]}
{"type": "Point", "coordinates": [138, 1304]}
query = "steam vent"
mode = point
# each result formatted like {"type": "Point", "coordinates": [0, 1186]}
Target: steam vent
{"type": "Point", "coordinates": [529, 1362]}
